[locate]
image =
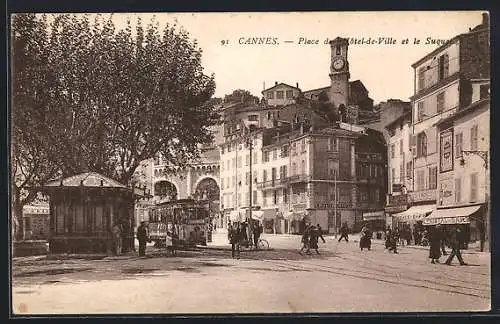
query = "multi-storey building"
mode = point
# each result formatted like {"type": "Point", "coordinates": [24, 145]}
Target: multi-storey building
{"type": "Point", "coordinates": [463, 178]}
{"type": "Point", "coordinates": [281, 94]}
{"type": "Point", "coordinates": [400, 164]}
{"type": "Point", "coordinates": [442, 87]}
{"type": "Point", "coordinates": [304, 168]}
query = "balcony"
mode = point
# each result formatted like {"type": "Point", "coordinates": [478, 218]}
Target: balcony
{"type": "Point", "coordinates": [299, 178]}
{"type": "Point", "coordinates": [272, 184]}
{"type": "Point", "coordinates": [423, 195]}
{"type": "Point", "coordinates": [369, 156]}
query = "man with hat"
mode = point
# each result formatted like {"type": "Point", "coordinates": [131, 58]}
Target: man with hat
{"type": "Point", "coordinates": [142, 237]}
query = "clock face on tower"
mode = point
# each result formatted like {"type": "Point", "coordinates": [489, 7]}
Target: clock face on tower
{"type": "Point", "coordinates": [338, 63]}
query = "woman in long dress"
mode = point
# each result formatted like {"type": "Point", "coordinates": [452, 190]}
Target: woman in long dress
{"type": "Point", "coordinates": [435, 244]}
{"type": "Point", "coordinates": [365, 240]}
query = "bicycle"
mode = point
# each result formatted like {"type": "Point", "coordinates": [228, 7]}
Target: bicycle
{"type": "Point", "coordinates": [262, 244]}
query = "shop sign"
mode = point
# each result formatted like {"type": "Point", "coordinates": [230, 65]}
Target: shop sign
{"type": "Point", "coordinates": [395, 209]}
{"type": "Point", "coordinates": [447, 220]}
{"type": "Point", "coordinates": [446, 153]}
{"type": "Point", "coordinates": [398, 200]}
{"type": "Point", "coordinates": [340, 204]}
{"type": "Point", "coordinates": [423, 195]}
{"type": "Point", "coordinates": [446, 189]}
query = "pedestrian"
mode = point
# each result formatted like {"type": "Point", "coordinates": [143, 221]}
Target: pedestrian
{"type": "Point", "coordinates": [366, 239]}
{"type": "Point", "coordinates": [314, 234]}
{"type": "Point", "coordinates": [393, 242]}
{"type": "Point", "coordinates": [435, 244]}
{"type": "Point", "coordinates": [117, 239]}
{"type": "Point", "coordinates": [170, 239]}
{"type": "Point", "coordinates": [305, 239]}
{"type": "Point", "coordinates": [142, 237]}
{"type": "Point", "coordinates": [388, 238]}
{"type": "Point", "coordinates": [229, 229]}
{"type": "Point", "coordinates": [235, 239]}
{"type": "Point", "coordinates": [344, 232]}
{"type": "Point", "coordinates": [456, 240]}
{"type": "Point", "coordinates": [257, 230]}
{"type": "Point", "coordinates": [320, 233]}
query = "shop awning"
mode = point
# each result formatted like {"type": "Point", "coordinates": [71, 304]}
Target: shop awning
{"type": "Point", "coordinates": [459, 215]}
{"type": "Point", "coordinates": [291, 216]}
{"type": "Point", "coordinates": [373, 215]}
{"type": "Point", "coordinates": [258, 215]}
{"type": "Point", "coordinates": [415, 213]}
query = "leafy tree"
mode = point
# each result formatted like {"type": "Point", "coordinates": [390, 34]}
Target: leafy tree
{"type": "Point", "coordinates": [240, 95]}
{"type": "Point", "coordinates": [89, 97]}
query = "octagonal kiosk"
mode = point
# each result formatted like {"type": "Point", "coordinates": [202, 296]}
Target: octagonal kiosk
{"type": "Point", "coordinates": [84, 208]}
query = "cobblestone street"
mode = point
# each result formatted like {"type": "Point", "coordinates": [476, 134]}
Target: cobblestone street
{"type": "Point", "coordinates": [340, 279]}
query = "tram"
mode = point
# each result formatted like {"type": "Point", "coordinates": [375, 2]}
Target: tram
{"type": "Point", "coordinates": [186, 219]}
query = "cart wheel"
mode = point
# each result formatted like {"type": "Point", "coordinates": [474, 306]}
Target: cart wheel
{"type": "Point", "coordinates": [263, 244]}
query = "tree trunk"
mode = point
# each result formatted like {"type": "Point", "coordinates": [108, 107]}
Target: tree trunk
{"type": "Point", "coordinates": [17, 218]}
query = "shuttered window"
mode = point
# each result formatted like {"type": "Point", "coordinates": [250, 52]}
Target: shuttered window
{"type": "Point", "coordinates": [473, 137]}
{"type": "Point", "coordinates": [473, 187]}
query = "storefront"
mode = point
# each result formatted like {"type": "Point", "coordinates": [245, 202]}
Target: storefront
{"type": "Point", "coordinates": [413, 215]}
{"type": "Point", "coordinates": [375, 220]}
{"type": "Point", "coordinates": [293, 221]}
{"type": "Point", "coordinates": [469, 218]}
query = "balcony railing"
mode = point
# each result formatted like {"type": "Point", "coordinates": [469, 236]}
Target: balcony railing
{"type": "Point", "coordinates": [276, 183]}
{"type": "Point", "coordinates": [299, 178]}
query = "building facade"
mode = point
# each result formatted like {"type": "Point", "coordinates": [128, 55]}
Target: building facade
{"type": "Point", "coordinates": [281, 94]}
{"type": "Point", "coordinates": [444, 83]}
{"type": "Point", "coordinates": [464, 176]}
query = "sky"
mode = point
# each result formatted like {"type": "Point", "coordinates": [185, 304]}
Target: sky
{"type": "Point", "coordinates": [385, 69]}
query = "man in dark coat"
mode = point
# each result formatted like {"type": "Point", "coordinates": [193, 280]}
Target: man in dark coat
{"type": "Point", "coordinates": [236, 236]}
{"type": "Point", "coordinates": [142, 237]}
{"type": "Point", "coordinates": [313, 239]}
{"type": "Point", "coordinates": [344, 232]}
{"type": "Point", "coordinates": [456, 241]}
{"type": "Point", "coordinates": [306, 239]}
{"type": "Point", "coordinates": [320, 233]}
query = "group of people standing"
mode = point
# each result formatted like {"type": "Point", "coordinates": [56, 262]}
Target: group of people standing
{"type": "Point", "coordinates": [310, 238]}
{"type": "Point", "coordinates": [238, 235]}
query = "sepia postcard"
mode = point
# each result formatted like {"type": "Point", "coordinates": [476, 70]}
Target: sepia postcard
{"type": "Point", "coordinates": [195, 163]}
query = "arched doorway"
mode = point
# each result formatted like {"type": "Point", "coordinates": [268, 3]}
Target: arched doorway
{"type": "Point", "coordinates": [165, 190]}
{"type": "Point", "coordinates": [208, 192]}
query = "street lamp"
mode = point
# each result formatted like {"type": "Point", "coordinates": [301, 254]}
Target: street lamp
{"type": "Point", "coordinates": [484, 156]}
{"type": "Point", "coordinates": [249, 143]}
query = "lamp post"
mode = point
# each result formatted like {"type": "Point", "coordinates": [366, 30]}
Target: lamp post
{"type": "Point", "coordinates": [250, 222]}
{"type": "Point", "coordinates": [486, 227]}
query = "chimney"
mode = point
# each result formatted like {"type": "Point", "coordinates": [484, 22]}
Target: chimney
{"type": "Point", "coordinates": [275, 83]}
{"type": "Point", "coordinates": [297, 85]}
{"type": "Point", "coordinates": [486, 19]}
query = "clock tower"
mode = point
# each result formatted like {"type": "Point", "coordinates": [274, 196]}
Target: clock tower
{"type": "Point", "coordinates": [339, 72]}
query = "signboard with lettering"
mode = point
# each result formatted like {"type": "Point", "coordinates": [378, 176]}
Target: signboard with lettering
{"type": "Point", "coordinates": [424, 195]}
{"type": "Point", "coordinates": [446, 190]}
{"type": "Point", "coordinates": [447, 220]}
{"type": "Point", "coordinates": [446, 151]}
